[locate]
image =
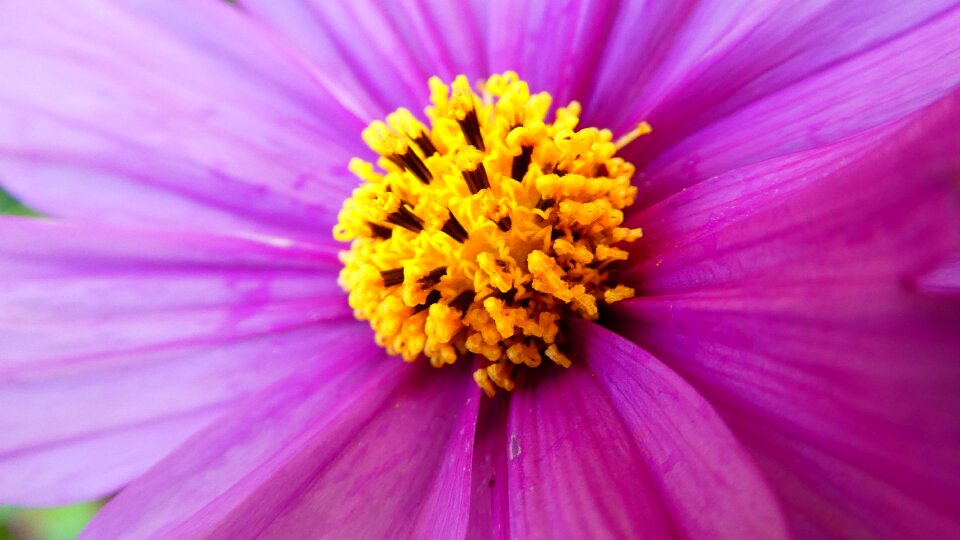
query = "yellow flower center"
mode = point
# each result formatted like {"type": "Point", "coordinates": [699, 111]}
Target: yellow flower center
{"type": "Point", "coordinates": [483, 230]}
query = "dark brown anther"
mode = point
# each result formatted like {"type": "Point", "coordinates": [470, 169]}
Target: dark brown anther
{"type": "Point", "coordinates": [406, 219]}
{"type": "Point", "coordinates": [433, 277]}
{"type": "Point", "coordinates": [521, 163]}
{"type": "Point", "coordinates": [432, 299]}
{"type": "Point", "coordinates": [508, 297]}
{"type": "Point", "coordinates": [454, 229]}
{"type": "Point", "coordinates": [470, 125]}
{"type": "Point", "coordinates": [543, 203]}
{"type": "Point", "coordinates": [426, 145]}
{"type": "Point", "coordinates": [379, 231]}
{"type": "Point", "coordinates": [477, 179]}
{"type": "Point", "coordinates": [392, 277]}
{"type": "Point", "coordinates": [504, 224]}
{"type": "Point", "coordinates": [410, 161]}
{"type": "Point", "coordinates": [463, 301]}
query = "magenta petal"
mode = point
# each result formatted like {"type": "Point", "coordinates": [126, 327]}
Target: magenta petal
{"type": "Point", "coordinates": [490, 501]}
{"type": "Point", "coordinates": [118, 343]}
{"type": "Point", "coordinates": [554, 46]}
{"type": "Point", "coordinates": [707, 482]}
{"type": "Point", "coordinates": [881, 207]}
{"type": "Point", "coordinates": [221, 130]}
{"type": "Point", "coordinates": [360, 446]}
{"type": "Point", "coordinates": [574, 469]}
{"type": "Point", "coordinates": [404, 44]}
{"type": "Point", "coordinates": [841, 83]}
{"type": "Point", "coordinates": [944, 279]}
{"type": "Point", "coordinates": [785, 293]}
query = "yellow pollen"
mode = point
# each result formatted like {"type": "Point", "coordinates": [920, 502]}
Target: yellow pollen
{"type": "Point", "coordinates": [473, 236]}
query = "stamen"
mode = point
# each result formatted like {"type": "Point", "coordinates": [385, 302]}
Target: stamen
{"type": "Point", "coordinates": [406, 219]}
{"type": "Point", "coordinates": [463, 301]}
{"type": "Point", "coordinates": [379, 231]}
{"type": "Point", "coordinates": [521, 163]}
{"type": "Point", "coordinates": [642, 128]}
{"type": "Point", "coordinates": [432, 299]}
{"type": "Point", "coordinates": [544, 204]}
{"type": "Point", "coordinates": [470, 125]}
{"type": "Point", "coordinates": [454, 229]}
{"type": "Point", "coordinates": [433, 277]}
{"type": "Point", "coordinates": [412, 162]}
{"type": "Point", "coordinates": [470, 163]}
{"type": "Point", "coordinates": [426, 145]}
{"type": "Point", "coordinates": [392, 277]}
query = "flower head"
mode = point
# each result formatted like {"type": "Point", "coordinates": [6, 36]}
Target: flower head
{"type": "Point", "coordinates": [775, 357]}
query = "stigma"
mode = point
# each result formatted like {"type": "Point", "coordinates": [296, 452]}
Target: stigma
{"type": "Point", "coordinates": [479, 230]}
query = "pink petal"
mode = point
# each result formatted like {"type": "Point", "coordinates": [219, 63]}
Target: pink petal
{"type": "Point", "coordinates": [574, 469]}
{"type": "Point", "coordinates": [707, 482]}
{"type": "Point", "coordinates": [785, 293]}
{"type": "Point", "coordinates": [361, 446]}
{"type": "Point", "coordinates": [490, 499]}
{"type": "Point", "coordinates": [834, 88]}
{"type": "Point", "coordinates": [554, 46]}
{"type": "Point", "coordinates": [404, 44]}
{"type": "Point", "coordinates": [943, 279]}
{"type": "Point", "coordinates": [166, 122]}
{"type": "Point", "coordinates": [119, 343]}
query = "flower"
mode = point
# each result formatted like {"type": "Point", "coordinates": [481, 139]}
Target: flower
{"type": "Point", "coordinates": [174, 328]}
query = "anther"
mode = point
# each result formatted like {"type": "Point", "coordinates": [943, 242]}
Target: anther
{"type": "Point", "coordinates": [521, 163]}
{"type": "Point", "coordinates": [476, 179]}
{"type": "Point", "coordinates": [426, 145]}
{"type": "Point", "coordinates": [470, 125]}
{"type": "Point", "coordinates": [433, 277]}
{"type": "Point", "coordinates": [454, 229]}
{"type": "Point", "coordinates": [406, 219]}
{"type": "Point", "coordinates": [392, 277]}
{"type": "Point", "coordinates": [463, 301]}
{"type": "Point", "coordinates": [504, 224]}
{"type": "Point", "coordinates": [379, 231]}
{"type": "Point", "coordinates": [432, 299]}
{"type": "Point", "coordinates": [410, 161]}
{"type": "Point", "coordinates": [545, 203]}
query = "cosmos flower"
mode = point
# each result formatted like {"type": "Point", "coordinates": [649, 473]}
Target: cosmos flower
{"type": "Point", "coordinates": [783, 364]}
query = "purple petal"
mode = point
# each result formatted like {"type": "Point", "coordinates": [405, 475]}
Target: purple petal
{"type": "Point", "coordinates": [554, 46]}
{"type": "Point", "coordinates": [944, 279]}
{"type": "Point", "coordinates": [404, 44]}
{"type": "Point", "coordinates": [490, 500]}
{"type": "Point", "coordinates": [708, 483]}
{"type": "Point", "coordinates": [361, 446]}
{"type": "Point", "coordinates": [783, 292]}
{"type": "Point", "coordinates": [166, 122]}
{"type": "Point", "coordinates": [119, 343]}
{"type": "Point", "coordinates": [574, 469]}
{"type": "Point", "coordinates": [749, 83]}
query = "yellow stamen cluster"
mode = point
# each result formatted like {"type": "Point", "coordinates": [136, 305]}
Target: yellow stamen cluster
{"type": "Point", "coordinates": [481, 231]}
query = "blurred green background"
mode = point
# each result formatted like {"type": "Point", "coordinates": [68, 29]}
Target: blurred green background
{"type": "Point", "coordinates": [63, 523]}
{"type": "Point", "coordinates": [9, 205]}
